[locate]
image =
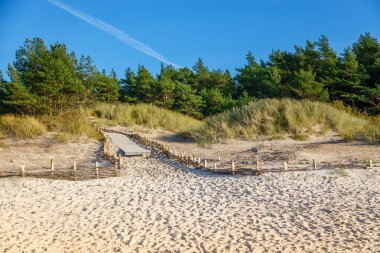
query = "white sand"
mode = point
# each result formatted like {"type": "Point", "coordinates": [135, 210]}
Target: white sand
{"type": "Point", "coordinates": [160, 207]}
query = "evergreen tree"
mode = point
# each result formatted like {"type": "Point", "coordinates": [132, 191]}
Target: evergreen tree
{"type": "Point", "coordinates": [165, 87]}
{"type": "Point", "coordinates": [305, 86]}
{"type": "Point", "coordinates": [129, 90]}
{"type": "Point", "coordinates": [202, 75]}
{"type": "Point", "coordinates": [16, 96]}
{"type": "Point", "coordinates": [145, 84]}
{"type": "Point", "coordinates": [187, 101]}
{"type": "Point", "coordinates": [367, 51]}
{"type": "Point", "coordinates": [350, 76]}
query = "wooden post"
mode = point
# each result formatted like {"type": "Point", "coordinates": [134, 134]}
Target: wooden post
{"type": "Point", "coordinates": [370, 164]}
{"type": "Point", "coordinates": [285, 166]}
{"type": "Point", "coordinates": [97, 169]}
{"type": "Point", "coordinates": [75, 165]}
{"type": "Point", "coordinates": [22, 170]}
{"type": "Point", "coordinates": [218, 158]}
{"type": "Point", "coordinates": [52, 166]}
{"type": "Point", "coordinates": [233, 168]}
{"type": "Point", "coordinates": [314, 164]}
{"type": "Point", "coordinates": [205, 164]}
{"type": "Point", "coordinates": [199, 160]}
{"type": "Point", "coordinates": [214, 166]}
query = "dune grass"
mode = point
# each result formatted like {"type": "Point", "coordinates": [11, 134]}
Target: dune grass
{"type": "Point", "coordinates": [147, 115]}
{"type": "Point", "coordinates": [261, 119]}
{"type": "Point", "coordinates": [20, 126]}
{"type": "Point", "coordinates": [23, 127]}
{"type": "Point", "coordinates": [71, 123]}
{"type": "Point", "coordinates": [278, 118]}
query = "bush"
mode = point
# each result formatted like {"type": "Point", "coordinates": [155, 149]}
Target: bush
{"type": "Point", "coordinates": [21, 126]}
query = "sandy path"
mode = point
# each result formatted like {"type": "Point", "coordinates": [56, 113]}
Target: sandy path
{"type": "Point", "coordinates": [158, 206]}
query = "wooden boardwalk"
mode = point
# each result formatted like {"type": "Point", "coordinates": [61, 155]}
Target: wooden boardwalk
{"type": "Point", "coordinates": [126, 145]}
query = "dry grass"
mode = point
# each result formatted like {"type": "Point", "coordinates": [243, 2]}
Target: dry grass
{"type": "Point", "coordinates": [23, 127]}
{"type": "Point", "coordinates": [146, 115]}
{"type": "Point", "coordinates": [70, 123]}
{"type": "Point", "coordinates": [278, 118]}
{"type": "Point", "coordinates": [20, 126]}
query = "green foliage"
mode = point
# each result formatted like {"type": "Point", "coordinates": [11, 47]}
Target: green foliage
{"type": "Point", "coordinates": [50, 80]}
{"type": "Point", "coordinates": [305, 86]}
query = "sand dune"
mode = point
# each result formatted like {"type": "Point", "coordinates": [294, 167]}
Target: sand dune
{"type": "Point", "coordinates": [159, 206]}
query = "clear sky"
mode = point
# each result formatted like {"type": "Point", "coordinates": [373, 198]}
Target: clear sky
{"type": "Point", "coordinates": [121, 33]}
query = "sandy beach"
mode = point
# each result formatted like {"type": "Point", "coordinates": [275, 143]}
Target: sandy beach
{"type": "Point", "coordinates": [161, 206]}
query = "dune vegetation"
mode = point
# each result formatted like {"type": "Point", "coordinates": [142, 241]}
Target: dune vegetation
{"type": "Point", "coordinates": [279, 118]}
{"type": "Point", "coordinates": [20, 126]}
{"type": "Point", "coordinates": [261, 119]}
{"type": "Point", "coordinates": [146, 115]}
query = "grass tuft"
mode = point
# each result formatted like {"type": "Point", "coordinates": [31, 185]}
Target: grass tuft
{"type": "Point", "coordinates": [147, 115]}
{"type": "Point", "coordinates": [20, 126]}
{"type": "Point", "coordinates": [274, 118]}
{"type": "Point", "coordinates": [72, 123]}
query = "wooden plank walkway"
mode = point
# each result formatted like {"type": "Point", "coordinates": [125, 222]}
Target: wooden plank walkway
{"type": "Point", "coordinates": [126, 145]}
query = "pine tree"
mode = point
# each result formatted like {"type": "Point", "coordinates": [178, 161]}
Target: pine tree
{"type": "Point", "coordinates": [305, 86]}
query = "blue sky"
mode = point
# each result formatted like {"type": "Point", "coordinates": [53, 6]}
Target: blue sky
{"type": "Point", "coordinates": [220, 32]}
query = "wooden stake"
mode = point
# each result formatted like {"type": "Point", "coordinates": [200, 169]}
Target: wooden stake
{"type": "Point", "coordinates": [97, 169]}
{"type": "Point", "coordinates": [285, 166]}
{"type": "Point", "coordinates": [218, 158]}
{"type": "Point", "coordinates": [233, 168]}
{"type": "Point", "coordinates": [370, 164]}
{"type": "Point", "coordinates": [205, 164]}
{"type": "Point", "coordinates": [23, 170]}
{"type": "Point", "coordinates": [214, 166]}
{"type": "Point", "coordinates": [52, 164]}
{"type": "Point", "coordinates": [314, 164]}
{"type": "Point", "coordinates": [75, 165]}
{"type": "Point", "coordinates": [199, 160]}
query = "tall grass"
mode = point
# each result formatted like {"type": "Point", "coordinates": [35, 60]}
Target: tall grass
{"type": "Point", "coordinates": [20, 126]}
{"type": "Point", "coordinates": [146, 115]}
{"type": "Point", "coordinates": [277, 118]}
{"type": "Point", "coordinates": [73, 123]}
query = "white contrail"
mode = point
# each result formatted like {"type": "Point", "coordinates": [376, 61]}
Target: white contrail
{"type": "Point", "coordinates": [119, 34]}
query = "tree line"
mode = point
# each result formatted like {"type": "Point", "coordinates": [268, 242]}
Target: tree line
{"type": "Point", "coordinates": [51, 80]}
